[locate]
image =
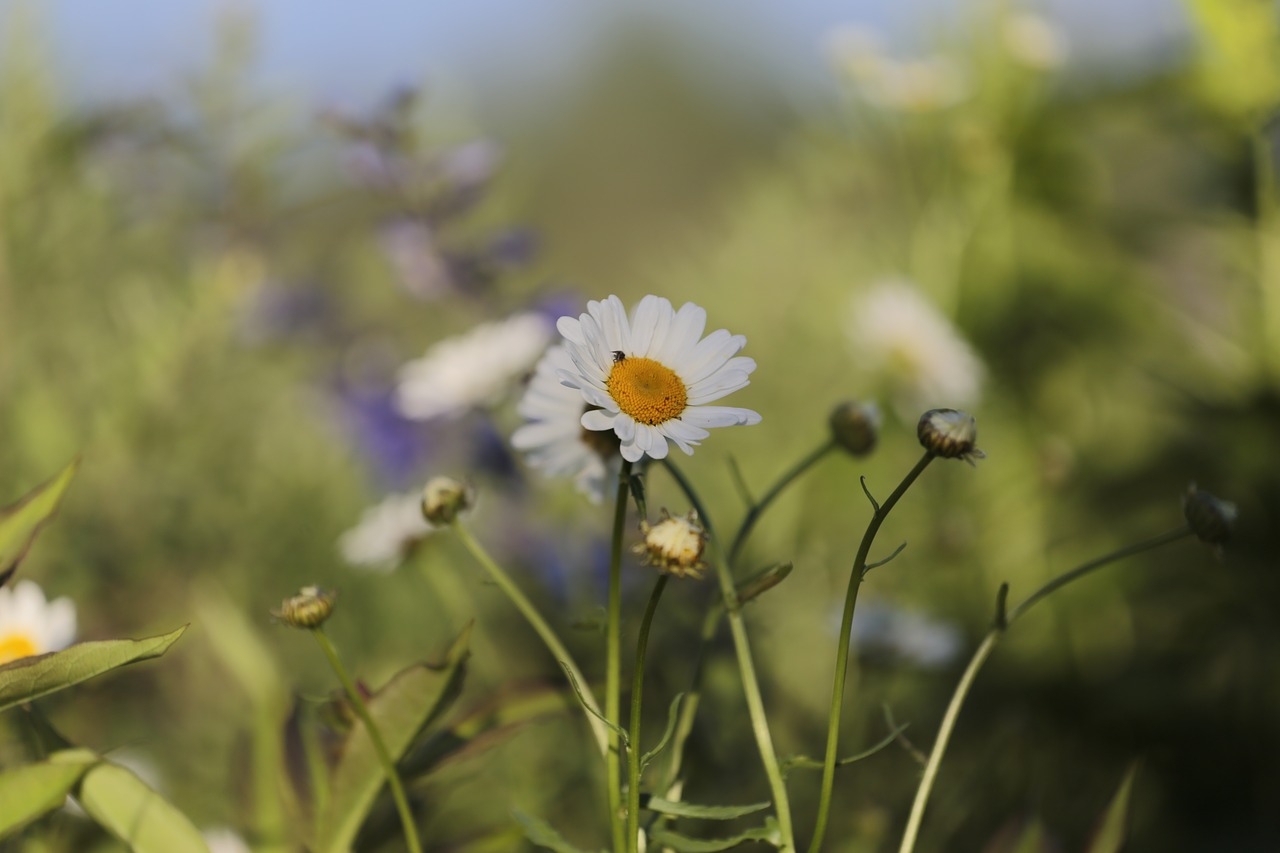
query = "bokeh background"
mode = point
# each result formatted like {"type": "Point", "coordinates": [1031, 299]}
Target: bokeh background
{"type": "Point", "coordinates": [224, 229]}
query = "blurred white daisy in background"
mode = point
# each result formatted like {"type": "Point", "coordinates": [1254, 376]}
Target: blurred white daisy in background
{"type": "Point", "coordinates": [921, 361]}
{"type": "Point", "coordinates": [897, 635]}
{"type": "Point", "coordinates": [30, 625]}
{"type": "Point", "coordinates": [649, 378]}
{"type": "Point", "coordinates": [386, 533]}
{"type": "Point", "coordinates": [471, 369]}
{"type": "Point", "coordinates": [1034, 41]}
{"type": "Point", "coordinates": [917, 85]}
{"type": "Point", "coordinates": [554, 440]}
{"type": "Point", "coordinates": [223, 840]}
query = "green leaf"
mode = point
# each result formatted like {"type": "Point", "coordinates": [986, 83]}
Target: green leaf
{"type": "Point", "coordinates": [804, 762]}
{"type": "Point", "coordinates": [542, 834]}
{"type": "Point", "coordinates": [768, 833]}
{"type": "Point", "coordinates": [20, 522]}
{"type": "Point", "coordinates": [657, 804]}
{"type": "Point", "coordinates": [30, 678]}
{"type": "Point", "coordinates": [672, 718]}
{"type": "Point", "coordinates": [33, 790]}
{"type": "Point", "coordinates": [1113, 826]}
{"type": "Point", "coordinates": [400, 710]}
{"type": "Point", "coordinates": [124, 806]}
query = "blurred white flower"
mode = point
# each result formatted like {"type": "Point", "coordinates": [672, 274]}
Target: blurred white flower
{"type": "Point", "coordinates": [472, 369]}
{"type": "Point", "coordinates": [554, 439]}
{"type": "Point", "coordinates": [386, 533]}
{"type": "Point", "coordinates": [916, 85]}
{"type": "Point", "coordinates": [30, 625]}
{"type": "Point", "coordinates": [1034, 41]}
{"type": "Point", "coordinates": [882, 631]}
{"type": "Point", "coordinates": [223, 840]}
{"type": "Point", "coordinates": [900, 339]}
{"type": "Point", "coordinates": [649, 377]}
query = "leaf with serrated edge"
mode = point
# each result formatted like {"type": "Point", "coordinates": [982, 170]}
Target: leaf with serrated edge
{"type": "Point", "coordinates": [33, 790]}
{"type": "Point", "coordinates": [30, 678]}
{"type": "Point", "coordinates": [1114, 824]}
{"type": "Point", "coordinates": [768, 833]}
{"type": "Point", "coordinates": [122, 804]}
{"type": "Point", "coordinates": [542, 834]}
{"type": "Point", "coordinates": [400, 710]}
{"type": "Point", "coordinates": [20, 522]}
{"type": "Point", "coordinates": [706, 812]}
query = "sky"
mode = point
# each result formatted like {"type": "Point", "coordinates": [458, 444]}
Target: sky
{"type": "Point", "coordinates": [345, 52]}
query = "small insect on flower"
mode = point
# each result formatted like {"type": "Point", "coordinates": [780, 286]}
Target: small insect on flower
{"type": "Point", "coordinates": [619, 355]}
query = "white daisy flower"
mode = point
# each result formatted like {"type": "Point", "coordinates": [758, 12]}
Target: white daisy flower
{"type": "Point", "coordinates": [471, 369]}
{"type": "Point", "coordinates": [650, 377]}
{"type": "Point", "coordinates": [899, 337]}
{"type": "Point", "coordinates": [554, 440]}
{"type": "Point", "coordinates": [386, 533]}
{"type": "Point", "coordinates": [30, 625]}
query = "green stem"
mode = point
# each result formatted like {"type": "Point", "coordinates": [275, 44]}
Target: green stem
{"type": "Point", "coordinates": [540, 626]}
{"type": "Point", "coordinates": [758, 508]}
{"type": "Point", "coordinates": [375, 735]}
{"type": "Point", "coordinates": [980, 656]}
{"type": "Point", "coordinates": [842, 649]}
{"type": "Point", "coordinates": [613, 661]}
{"type": "Point", "coordinates": [637, 689]}
{"type": "Point", "coordinates": [747, 670]}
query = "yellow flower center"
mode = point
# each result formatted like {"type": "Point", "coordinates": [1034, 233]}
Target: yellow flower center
{"type": "Point", "coordinates": [16, 646]}
{"type": "Point", "coordinates": [647, 390]}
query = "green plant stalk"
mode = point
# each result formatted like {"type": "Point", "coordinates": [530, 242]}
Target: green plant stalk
{"type": "Point", "coordinates": [375, 735]}
{"type": "Point", "coordinates": [757, 509]}
{"type": "Point", "coordinates": [613, 661]}
{"type": "Point", "coordinates": [540, 626]}
{"type": "Point", "coordinates": [842, 649]}
{"type": "Point", "coordinates": [989, 642]}
{"type": "Point", "coordinates": [1268, 237]}
{"type": "Point", "coordinates": [746, 669]}
{"type": "Point", "coordinates": [637, 690]}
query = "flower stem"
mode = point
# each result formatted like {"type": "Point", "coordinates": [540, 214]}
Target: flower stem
{"type": "Point", "coordinates": [842, 648]}
{"type": "Point", "coordinates": [747, 671]}
{"type": "Point", "coordinates": [613, 661]}
{"type": "Point", "coordinates": [637, 689]}
{"type": "Point", "coordinates": [540, 626]}
{"type": "Point", "coordinates": [994, 635]}
{"type": "Point", "coordinates": [757, 509]}
{"type": "Point", "coordinates": [375, 735]}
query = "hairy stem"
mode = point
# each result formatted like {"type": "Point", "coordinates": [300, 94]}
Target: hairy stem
{"type": "Point", "coordinates": [613, 661]}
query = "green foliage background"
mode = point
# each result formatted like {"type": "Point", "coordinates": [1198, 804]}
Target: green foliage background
{"type": "Point", "coordinates": [1108, 241]}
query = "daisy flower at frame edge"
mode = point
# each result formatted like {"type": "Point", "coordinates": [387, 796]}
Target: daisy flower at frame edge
{"type": "Point", "coordinates": [31, 625]}
{"type": "Point", "coordinates": [649, 377]}
{"type": "Point", "coordinates": [553, 438]}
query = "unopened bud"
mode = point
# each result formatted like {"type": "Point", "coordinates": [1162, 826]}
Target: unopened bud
{"type": "Point", "coordinates": [674, 545]}
{"type": "Point", "coordinates": [855, 426]}
{"type": "Point", "coordinates": [950, 434]}
{"type": "Point", "coordinates": [443, 499]}
{"type": "Point", "coordinates": [1210, 519]}
{"type": "Point", "coordinates": [308, 609]}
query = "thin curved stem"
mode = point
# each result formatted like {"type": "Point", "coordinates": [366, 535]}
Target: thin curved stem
{"type": "Point", "coordinates": [540, 626]}
{"type": "Point", "coordinates": [989, 642]}
{"type": "Point", "coordinates": [746, 669]}
{"type": "Point", "coordinates": [613, 662]}
{"type": "Point", "coordinates": [757, 509]}
{"type": "Point", "coordinates": [637, 689]}
{"type": "Point", "coordinates": [842, 649]}
{"type": "Point", "coordinates": [375, 735]}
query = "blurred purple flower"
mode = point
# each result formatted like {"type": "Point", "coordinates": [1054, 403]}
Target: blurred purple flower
{"type": "Point", "coordinates": [396, 448]}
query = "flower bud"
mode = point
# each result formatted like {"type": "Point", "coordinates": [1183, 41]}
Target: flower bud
{"type": "Point", "coordinates": [443, 499]}
{"type": "Point", "coordinates": [855, 426]}
{"type": "Point", "coordinates": [308, 609]}
{"type": "Point", "coordinates": [950, 434]}
{"type": "Point", "coordinates": [1210, 519]}
{"type": "Point", "coordinates": [674, 545]}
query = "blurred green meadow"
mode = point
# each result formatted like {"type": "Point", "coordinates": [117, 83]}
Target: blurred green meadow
{"type": "Point", "coordinates": [208, 298]}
